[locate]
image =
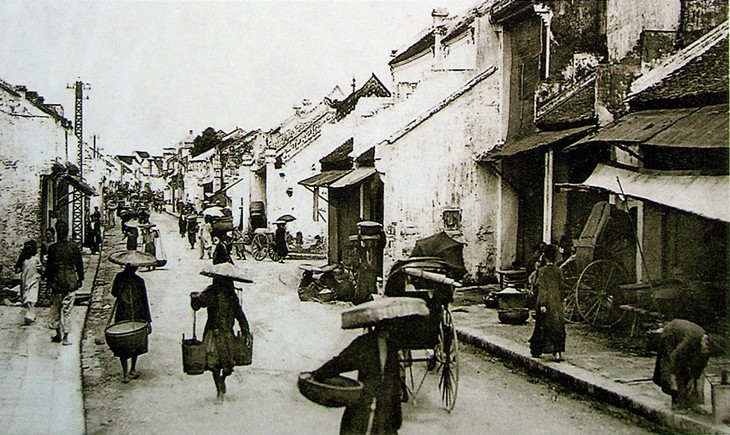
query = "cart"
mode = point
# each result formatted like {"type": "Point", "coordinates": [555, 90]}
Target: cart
{"type": "Point", "coordinates": [431, 340]}
{"type": "Point", "coordinates": [263, 244]}
{"type": "Point", "coordinates": [595, 270]}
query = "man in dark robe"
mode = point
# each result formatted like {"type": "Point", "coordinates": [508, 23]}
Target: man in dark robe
{"type": "Point", "coordinates": [681, 360]}
{"type": "Point", "coordinates": [280, 240]}
{"type": "Point", "coordinates": [64, 274]}
{"type": "Point", "coordinates": [549, 333]}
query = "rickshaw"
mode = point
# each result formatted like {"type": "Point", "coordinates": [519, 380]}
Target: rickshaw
{"type": "Point", "coordinates": [263, 244]}
{"type": "Point", "coordinates": [595, 270]}
{"type": "Point", "coordinates": [430, 274]}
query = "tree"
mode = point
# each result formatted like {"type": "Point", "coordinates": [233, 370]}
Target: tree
{"type": "Point", "coordinates": [204, 141]}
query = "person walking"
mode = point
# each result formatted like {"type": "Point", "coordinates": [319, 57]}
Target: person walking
{"type": "Point", "coordinates": [223, 310]}
{"type": "Point", "coordinates": [64, 274]}
{"type": "Point", "coordinates": [132, 304]}
{"type": "Point", "coordinates": [182, 224]}
{"type": "Point", "coordinates": [680, 362]}
{"type": "Point", "coordinates": [549, 333]}
{"type": "Point", "coordinates": [29, 267]}
{"type": "Point", "coordinates": [192, 224]}
{"type": "Point", "coordinates": [95, 230]}
{"type": "Point", "coordinates": [222, 251]}
{"type": "Point", "coordinates": [206, 239]}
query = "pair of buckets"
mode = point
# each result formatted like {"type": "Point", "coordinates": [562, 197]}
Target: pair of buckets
{"type": "Point", "coordinates": [193, 352]}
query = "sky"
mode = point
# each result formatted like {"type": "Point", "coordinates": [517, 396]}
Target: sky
{"type": "Point", "coordinates": [158, 69]}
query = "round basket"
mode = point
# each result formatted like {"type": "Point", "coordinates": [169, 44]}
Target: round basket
{"type": "Point", "coordinates": [127, 338]}
{"type": "Point", "coordinates": [332, 392]}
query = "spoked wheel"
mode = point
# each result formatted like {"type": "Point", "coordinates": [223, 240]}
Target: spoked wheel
{"type": "Point", "coordinates": [447, 352]}
{"type": "Point", "coordinates": [598, 295]}
{"type": "Point", "coordinates": [570, 305]}
{"type": "Point", "coordinates": [274, 254]}
{"type": "Point", "coordinates": [259, 246]}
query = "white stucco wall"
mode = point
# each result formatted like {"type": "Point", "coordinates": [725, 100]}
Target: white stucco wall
{"type": "Point", "coordinates": [30, 140]}
{"type": "Point", "coordinates": [626, 19]}
{"type": "Point", "coordinates": [432, 168]}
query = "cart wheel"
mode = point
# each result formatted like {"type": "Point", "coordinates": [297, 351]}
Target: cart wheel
{"type": "Point", "coordinates": [274, 254]}
{"type": "Point", "coordinates": [597, 293]}
{"type": "Point", "coordinates": [570, 306]}
{"type": "Point", "coordinates": [259, 247]}
{"type": "Point", "coordinates": [447, 352]}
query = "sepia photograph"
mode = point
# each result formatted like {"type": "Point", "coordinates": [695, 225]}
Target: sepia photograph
{"type": "Point", "coordinates": [364, 217]}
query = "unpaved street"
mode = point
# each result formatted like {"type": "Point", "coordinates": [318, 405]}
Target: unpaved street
{"type": "Point", "coordinates": [290, 337]}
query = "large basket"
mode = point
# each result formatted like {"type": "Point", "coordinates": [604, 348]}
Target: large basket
{"type": "Point", "coordinates": [242, 349]}
{"type": "Point", "coordinates": [222, 225]}
{"type": "Point", "coordinates": [128, 337]}
{"type": "Point", "coordinates": [333, 392]}
{"type": "Point", "coordinates": [193, 356]}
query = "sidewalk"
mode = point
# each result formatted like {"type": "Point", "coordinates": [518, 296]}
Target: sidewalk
{"type": "Point", "coordinates": [40, 384]}
{"type": "Point", "coordinates": [594, 365]}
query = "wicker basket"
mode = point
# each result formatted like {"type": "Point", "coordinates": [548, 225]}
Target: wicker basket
{"type": "Point", "coordinates": [127, 338]}
{"type": "Point", "coordinates": [332, 392]}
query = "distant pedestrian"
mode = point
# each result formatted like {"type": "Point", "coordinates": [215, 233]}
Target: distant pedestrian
{"type": "Point", "coordinates": [680, 363]}
{"type": "Point", "coordinates": [132, 304]}
{"type": "Point", "coordinates": [222, 252]}
{"type": "Point", "coordinates": [64, 274]}
{"type": "Point", "coordinates": [206, 239]}
{"type": "Point", "coordinates": [224, 310]}
{"type": "Point", "coordinates": [549, 333]}
{"type": "Point", "coordinates": [182, 225]}
{"type": "Point", "coordinates": [29, 269]}
{"type": "Point", "coordinates": [192, 224]}
{"type": "Point", "coordinates": [95, 230]}
{"type": "Point", "coordinates": [237, 244]}
{"type": "Point", "coordinates": [280, 240]}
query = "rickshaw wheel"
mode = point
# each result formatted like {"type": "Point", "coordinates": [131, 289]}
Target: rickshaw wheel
{"type": "Point", "coordinates": [447, 351]}
{"type": "Point", "coordinates": [274, 254]}
{"type": "Point", "coordinates": [259, 247]}
{"type": "Point", "coordinates": [598, 295]}
{"type": "Point", "coordinates": [570, 306]}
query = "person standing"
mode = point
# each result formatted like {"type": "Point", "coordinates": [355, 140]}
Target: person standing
{"type": "Point", "coordinates": [95, 230]}
{"type": "Point", "coordinates": [64, 274]}
{"type": "Point", "coordinates": [206, 239]}
{"type": "Point", "coordinates": [223, 309]}
{"type": "Point", "coordinates": [549, 333]}
{"type": "Point", "coordinates": [280, 240]}
{"type": "Point", "coordinates": [132, 304]}
{"type": "Point", "coordinates": [680, 362]}
{"type": "Point", "coordinates": [29, 267]}
{"type": "Point", "coordinates": [222, 251]}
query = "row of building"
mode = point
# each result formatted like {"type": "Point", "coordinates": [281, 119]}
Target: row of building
{"type": "Point", "coordinates": [504, 127]}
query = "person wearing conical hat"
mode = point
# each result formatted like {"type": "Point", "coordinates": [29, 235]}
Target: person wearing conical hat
{"type": "Point", "coordinates": [132, 304]}
{"type": "Point", "coordinates": [224, 309]}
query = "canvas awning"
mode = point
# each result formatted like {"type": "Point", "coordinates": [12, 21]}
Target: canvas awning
{"type": "Point", "coordinates": [79, 185]}
{"type": "Point", "coordinates": [354, 177]}
{"type": "Point", "coordinates": [324, 178]}
{"type": "Point", "coordinates": [703, 195]}
{"type": "Point", "coordinates": [535, 141]}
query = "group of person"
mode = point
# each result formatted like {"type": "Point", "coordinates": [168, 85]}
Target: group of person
{"type": "Point", "coordinates": [61, 264]}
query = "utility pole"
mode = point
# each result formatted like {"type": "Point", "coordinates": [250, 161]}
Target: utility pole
{"type": "Point", "coordinates": [77, 204]}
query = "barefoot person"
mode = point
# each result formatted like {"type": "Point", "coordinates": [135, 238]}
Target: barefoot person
{"type": "Point", "coordinates": [64, 274]}
{"type": "Point", "coordinates": [224, 310]}
{"type": "Point", "coordinates": [549, 333]}
{"type": "Point", "coordinates": [132, 303]}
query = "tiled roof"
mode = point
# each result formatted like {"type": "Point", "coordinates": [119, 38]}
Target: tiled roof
{"type": "Point", "coordinates": [339, 158]}
{"type": "Point", "coordinates": [372, 87]}
{"type": "Point", "coordinates": [577, 109]}
{"type": "Point", "coordinates": [704, 80]}
{"type": "Point", "coordinates": [143, 154]}
{"type": "Point", "coordinates": [126, 159]}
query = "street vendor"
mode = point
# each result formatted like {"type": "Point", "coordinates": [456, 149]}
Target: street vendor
{"type": "Point", "coordinates": [224, 309]}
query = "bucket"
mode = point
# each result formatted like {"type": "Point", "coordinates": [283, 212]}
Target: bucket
{"type": "Point", "coordinates": [127, 338]}
{"type": "Point", "coordinates": [193, 356]}
{"type": "Point", "coordinates": [242, 348]}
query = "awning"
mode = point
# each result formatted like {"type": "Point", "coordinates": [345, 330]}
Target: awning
{"type": "Point", "coordinates": [79, 185]}
{"type": "Point", "coordinates": [535, 141]}
{"type": "Point", "coordinates": [636, 127]}
{"type": "Point", "coordinates": [354, 177]}
{"type": "Point", "coordinates": [324, 179]}
{"type": "Point", "coordinates": [704, 195]}
{"type": "Point", "coordinates": [704, 128]}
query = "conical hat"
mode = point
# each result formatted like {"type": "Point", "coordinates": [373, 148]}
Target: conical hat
{"type": "Point", "coordinates": [225, 270]}
{"type": "Point", "coordinates": [371, 313]}
{"type": "Point", "coordinates": [133, 258]}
